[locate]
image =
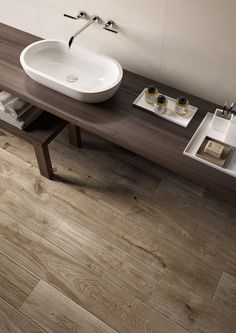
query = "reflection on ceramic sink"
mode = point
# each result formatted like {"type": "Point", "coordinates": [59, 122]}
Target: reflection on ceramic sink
{"type": "Point", "coordinates": [76, 72]}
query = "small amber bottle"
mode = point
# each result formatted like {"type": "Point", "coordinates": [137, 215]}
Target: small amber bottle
{"type": "Point", "coordinates": [160, 104]}
{"type": "Point", "coordinates": [151, 94]}
{"type": "Point", "coordinates": [181, 107]}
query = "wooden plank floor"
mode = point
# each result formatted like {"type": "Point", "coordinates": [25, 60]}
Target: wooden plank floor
{"type": "Point", "coordinates": [114, 244]}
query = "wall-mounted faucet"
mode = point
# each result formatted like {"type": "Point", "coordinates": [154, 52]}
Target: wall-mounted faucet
{"type": "Point", "coordinates": [94, 19]}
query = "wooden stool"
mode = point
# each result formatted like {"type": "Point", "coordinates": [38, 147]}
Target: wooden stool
{"type": "Point", "coordinates": [40, 133]}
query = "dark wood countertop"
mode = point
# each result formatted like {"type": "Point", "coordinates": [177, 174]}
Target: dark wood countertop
{"type": "Point", "coordinates": [115, 120]}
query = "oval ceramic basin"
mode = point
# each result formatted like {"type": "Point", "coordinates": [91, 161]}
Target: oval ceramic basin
{"type": "Point", "coordinates": [76, 72]}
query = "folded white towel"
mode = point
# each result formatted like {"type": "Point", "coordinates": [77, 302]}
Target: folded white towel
{"type": "Point", "coordinates": [16, 108]}
{"type": "Point", "coordinates": [5, 98]}
{"type": "Point", "coordinates": [22, 122]}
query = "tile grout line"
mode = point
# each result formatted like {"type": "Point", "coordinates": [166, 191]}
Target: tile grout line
{"type": "Point", "coordinates": [220, 278]}
{"type": "Point", "coordinates": [16, 262]}
{"type": "Point", "coordinates": [26, 317]}
{"type": "Point", "coordinates": [163, 37]}
{"type": "Point", "coordinates": [154, 310]}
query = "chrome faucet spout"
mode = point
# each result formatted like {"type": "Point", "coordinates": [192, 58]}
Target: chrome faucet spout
{"type": "Point", "coordinates": [94, 19]}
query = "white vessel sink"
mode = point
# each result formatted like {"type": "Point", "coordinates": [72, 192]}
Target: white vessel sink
{"type": "Point", "coordinates": [76, 72]}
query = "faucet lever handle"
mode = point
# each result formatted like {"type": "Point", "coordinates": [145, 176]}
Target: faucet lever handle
{"type": "Point", "coordinates": [80, 15]}
{"type": "Point", "coordinates": [71, 17]}
{"type": "Point", "coordinates": [108, 26]}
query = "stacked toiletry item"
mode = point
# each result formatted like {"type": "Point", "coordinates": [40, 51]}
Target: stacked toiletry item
{"type": "Point", "coordinates": [17, 112]}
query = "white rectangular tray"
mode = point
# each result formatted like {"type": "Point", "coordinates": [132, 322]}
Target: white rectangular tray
{"type": "Point", "coordinates": [204, 130]}
{"type": "Point", "coordinates": [170, 114]}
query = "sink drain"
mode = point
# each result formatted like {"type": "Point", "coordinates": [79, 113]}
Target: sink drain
{"type": "Point", "coordinates": [71, 78]}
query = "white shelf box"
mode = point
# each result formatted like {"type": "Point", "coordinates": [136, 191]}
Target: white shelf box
{"type": "Point", "coordinates": [205, 129]}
